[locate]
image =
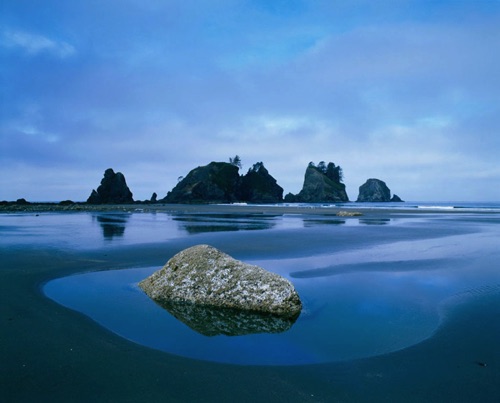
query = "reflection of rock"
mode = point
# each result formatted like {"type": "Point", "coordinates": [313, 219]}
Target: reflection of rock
{"type": "Point", "coordinates": [196, 223]}
{"type": "Point", "coordinates": [313, 222]}
{"type": "Point", "coordinates": [374, 221]}
{"type": "Point", "coordinates": [112, 225]}
{"type": "Point", "coordinates": [223, 321]}
{"type": "Point", "coordinates": [206, 276]}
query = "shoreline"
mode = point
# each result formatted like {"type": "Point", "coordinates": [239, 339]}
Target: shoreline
{"type": "Point", "coordinates": [315, 209]}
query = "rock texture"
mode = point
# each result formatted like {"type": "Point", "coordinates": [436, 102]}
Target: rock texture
{"type": "Point", "coordinates": [215, 182]}
{"type": "Point", "coordinates": [205, 276]}
{"type": "Point", "coordinates": [375, 190]}
{"type": "Point", "coordinates": [322, 183]}
{"type": "Point", "coordinates": [113, 189]}
{"type": "Point", "coordinates": [258, 186]}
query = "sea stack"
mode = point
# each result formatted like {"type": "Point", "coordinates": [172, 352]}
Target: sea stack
{"type": "Point", "coordinates": [374, 190]}
{"type": "Point", "coordinates": [112, 190]}
{"type": "Point", "coordinates": [322, 184]}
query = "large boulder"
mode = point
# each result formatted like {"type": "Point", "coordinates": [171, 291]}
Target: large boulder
{"type": "Point", "coordinates": [204, 276]}
{"type": "Point", "coordinates": [258, 186]}
{"type": "Point", "coordinates": [212, 183]}
{"type": "Point", "coordinates": [374, 190]}
{"type": "Point", "coordinates": [112, 190]}
{"type": "Point", "coordinates": [322, 184]}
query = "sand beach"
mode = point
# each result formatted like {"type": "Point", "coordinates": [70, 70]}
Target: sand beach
{"type": "Point", "coordinates": [51, 353]}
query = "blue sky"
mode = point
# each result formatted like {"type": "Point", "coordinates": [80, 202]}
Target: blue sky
{"type": "Point", "coordinates": [404, 91]}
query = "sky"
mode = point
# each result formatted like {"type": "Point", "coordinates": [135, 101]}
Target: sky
{"type": "Point", "coordinates": [404, 91]}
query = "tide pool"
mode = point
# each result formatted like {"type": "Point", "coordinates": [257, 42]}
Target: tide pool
{"type": "Point", "coordinates": [367, 290]}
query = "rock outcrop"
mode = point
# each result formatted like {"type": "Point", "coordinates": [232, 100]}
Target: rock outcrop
{"type": "Point", "coordinates": [258, 186]}
{"type": "Point", "coordinates": [220, 182]}
{"type": "Point", "coordinates": [205, 276]}
{"type": "Point", "coordinates": [375, 190]}
{"type": "Point", "coordinates": [322, 183]}
{"type": "Point", "coordinates": [212, 183]}
{"type": "Point", "coordinates": [113, 189]}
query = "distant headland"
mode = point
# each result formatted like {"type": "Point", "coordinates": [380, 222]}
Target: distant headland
{"type": "Point", "coordinates": [221, 182]}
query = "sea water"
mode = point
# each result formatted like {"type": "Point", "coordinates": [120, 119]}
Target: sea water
{"type": "Point", "coordinates": [370, 285]}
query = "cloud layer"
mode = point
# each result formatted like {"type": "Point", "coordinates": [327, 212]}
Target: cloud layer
{"type": "Point", "coordinates": [407, 92]}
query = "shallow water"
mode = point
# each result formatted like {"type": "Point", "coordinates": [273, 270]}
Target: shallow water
{"type": "Point", "coordinates": [369, 286]}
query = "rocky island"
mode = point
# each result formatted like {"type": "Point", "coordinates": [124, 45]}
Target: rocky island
{"type": "Point", "coordinates": [375, 190]}
{"type": "Point", "coordinates": [220, 182]}
{"type": "Point", "coordinates": [113, 189]}
{"type": "Point", "coordinates": [322, 184]}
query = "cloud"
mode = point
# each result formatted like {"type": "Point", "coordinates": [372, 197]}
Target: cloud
{"type": "Point", "coordinates": [33, 44]}
{"type": "Point", "coordinates": [401, 93]}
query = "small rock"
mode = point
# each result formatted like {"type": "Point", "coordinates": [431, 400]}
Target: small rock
{"type": "Point", "coordinates": [344, 213]}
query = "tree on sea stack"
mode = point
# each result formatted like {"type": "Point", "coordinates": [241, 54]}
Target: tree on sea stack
{"type": "Point", "coordinates": [203, 275]}
{"type": "Point", "coordinates": [236, 161]}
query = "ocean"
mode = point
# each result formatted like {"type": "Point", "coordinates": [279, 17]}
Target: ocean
{"type": "Point", "coordinates": [391, 299]}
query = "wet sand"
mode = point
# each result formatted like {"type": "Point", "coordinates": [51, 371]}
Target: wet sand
{"type": "Point", "coordinates": [218, 209]}
{"type": "Point", "coordinates": [50, 353]}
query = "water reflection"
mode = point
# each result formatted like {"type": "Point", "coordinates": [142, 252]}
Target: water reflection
{"type": "Point", "coordinates": [200, 223]}
{"type": "Point", "coordinates": [210, 321]}
{"type": "Point", "coordinates": [112, 225]}
{"type": "Point", "coordinates": [314, 222]}
{"type": "Point", "coordinates": [374, 221]}
{"type": "Point", "coordinates": [382, 266]}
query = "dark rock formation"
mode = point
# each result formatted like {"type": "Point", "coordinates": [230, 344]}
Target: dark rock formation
{"type": "Point", "coordinates": [66, 202]}
{"type": "Point", "coordinates": [153, 198]}
{"type": "Point", "coordinates": [113, 189]}
{"type": "Point", "coordinates": [258, 186]}
{"type": "Point", "coordinates": [396, 198]}
{"type": "Point", "coordinates": [322, 183]}
{"type": "Point", "coordinates": [215, 182]}
{"type": "Point", "coordinates": [374, 190]}
{"type": "Point", "coordinates": [220, 182]}
{"type": "Point", "coordinates": [205, 276]}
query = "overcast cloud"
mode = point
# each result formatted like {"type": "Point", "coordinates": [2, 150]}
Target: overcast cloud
{"type": "Point", "coordinates": [404, 91]}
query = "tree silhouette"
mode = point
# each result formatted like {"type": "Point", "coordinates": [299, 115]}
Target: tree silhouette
{"type": "Point", "coordinates": [236, 161]}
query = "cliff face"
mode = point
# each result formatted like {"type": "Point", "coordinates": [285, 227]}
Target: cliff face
{"type": "Point", "coordinates": [113, 189]}
{"type": "Point", "coordinates": [374, 190]}
{"type": "Point", "coordinates": [322, 183]}
{"type": "Point", "coordinates": [215, 182]}
{"type": "Point", "coordinates": [258, 186]}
